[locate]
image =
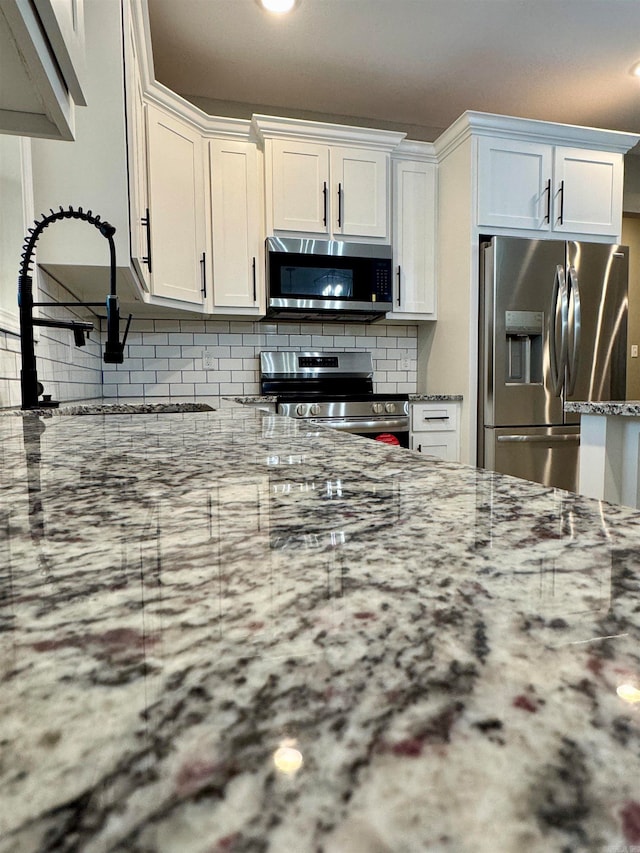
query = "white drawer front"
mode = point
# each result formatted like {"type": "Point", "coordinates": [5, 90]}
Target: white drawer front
{"type": "Point", "coordinates": [444, 445]}
{"type": "Point", "coordinates": [434, 417]}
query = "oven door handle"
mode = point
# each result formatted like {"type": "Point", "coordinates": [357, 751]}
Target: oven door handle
{"type": "Point", "coordinates": [400, 424]}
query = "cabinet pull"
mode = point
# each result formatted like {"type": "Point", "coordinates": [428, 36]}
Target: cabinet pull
{"type": "Point", "coordinates": [339, 205]}
{"type": "Point", "coordinates": [436, 418]}
{"type": "Point", "coordinates": [561, 217]}
{"type": "Point", "coordinates": [399, 284]}
{"type": "Point", "coordinates": [146, 221]}
{"type": "Point", "coordinates": [419, 448]}
{"type": "Point", "coordinates": [324, 194]}
{"type": "Point", "coordinates": [547, 217]}
{"type": "Point", "coordinates": [203, 265]}
{"type": "Point", "coordinates": [253, 266]}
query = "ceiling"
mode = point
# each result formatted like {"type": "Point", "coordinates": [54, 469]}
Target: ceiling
{"type": "Point", "coordinates": [413, 65]}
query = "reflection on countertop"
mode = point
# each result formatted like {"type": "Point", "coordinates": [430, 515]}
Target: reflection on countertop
{"type": "Point", "coordinates": [224, 631]}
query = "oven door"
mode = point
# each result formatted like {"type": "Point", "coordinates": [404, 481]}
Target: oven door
{"type": "Point", "coordinates": [393, 431]}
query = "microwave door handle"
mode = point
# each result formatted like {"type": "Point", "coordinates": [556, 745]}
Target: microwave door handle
{"type": "Point", "coordinates": [574, 355]}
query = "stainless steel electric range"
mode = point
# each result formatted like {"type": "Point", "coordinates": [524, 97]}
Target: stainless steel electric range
{"type": "Point", "coordinates": [334, 389]}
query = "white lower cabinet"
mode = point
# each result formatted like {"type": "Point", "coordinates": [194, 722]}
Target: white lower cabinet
{"type": "Point", "coordinates": [236, 227]}
{"type": "Point", "coordinates": [434, 430]}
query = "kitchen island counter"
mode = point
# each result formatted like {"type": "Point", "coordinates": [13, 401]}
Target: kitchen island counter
{"type": "Point", "coordinates": [223, 631]}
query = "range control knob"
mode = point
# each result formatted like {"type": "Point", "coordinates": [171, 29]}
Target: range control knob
{"type": "Point", "coordinates": [315, 409]}
{"type": "Point", "coordinates": [390, 407]}
{"type": "Point", "coordinates": [301, 410]}
{"type": "Point", "coordinates": [377, 408]}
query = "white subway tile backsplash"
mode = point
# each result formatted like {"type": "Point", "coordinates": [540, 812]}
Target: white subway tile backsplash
{"type": "Point", "coordinates": [141, 351]}
{"type": "Point", "coordinates": [194, 376]}
{"type": "Point", "coordinates": [155, 338]}
{"type": "Point", "coordinates": [182, 389]}
{"type": "Point", "coordinates": [157, 390]}
{"type": "Point", "coordinates": [165, 357]}
{"type": "Point", "coordinates": [168, 351]}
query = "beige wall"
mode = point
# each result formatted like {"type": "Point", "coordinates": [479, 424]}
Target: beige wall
{"type": "Point", "coordinates": [631, 238]}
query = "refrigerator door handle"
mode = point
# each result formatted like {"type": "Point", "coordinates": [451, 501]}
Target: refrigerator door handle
{"type": "Point", "coordinates": [540, 439]}
{"type": "Point", "coordinates": [557, 362]}
{"type": "Point", "coordinates": [576, 322]}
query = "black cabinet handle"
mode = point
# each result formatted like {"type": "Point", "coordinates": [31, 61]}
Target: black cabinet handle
{"type": "Point", "coordinates": [561, 217]}
{"type": "Point", "coordinates": [203, 266]}
{"type": "Point", "coordinates": [547, 217]}
{"type": "Point", "coordinates": [146, 221]}
{"type": "Point", "coordinates": [419, 448]}
{"type": "Point", "coordinates": [399, 285]}
{"type": "Point", "coordinates": [254, 279]}
{"type": "Point", "coordinates": [324, 193]}
{"type": "Point", "coordinates": [339, 205]}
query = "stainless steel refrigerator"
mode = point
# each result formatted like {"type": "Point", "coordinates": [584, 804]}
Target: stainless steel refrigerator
{"type": "Point", "coordinates": [553, 327]}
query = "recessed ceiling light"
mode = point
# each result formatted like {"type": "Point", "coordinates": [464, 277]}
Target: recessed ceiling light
{"type": "Point", "coordinates": [278, 7]}
{"type": "Point", "coordinates": [635, 69]}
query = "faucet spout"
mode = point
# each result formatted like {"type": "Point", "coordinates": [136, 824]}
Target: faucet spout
{"type": "Point", "coordinates": [114, 348]}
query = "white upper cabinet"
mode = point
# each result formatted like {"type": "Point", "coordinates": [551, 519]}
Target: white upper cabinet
{"type": "Point", "coordinates": [359, 200]}
{"type": "Point", "coordinates": [328, 180]}
{"type": "Point", "coordinates": [589, 187]}
{"type": "Point", "coordinates": [137, 154]}
{"type": "Point", "coordinates": [177, 209]}
{"type": "Point", "coordinates": [236, 228]}
{"type": "Point", "coordinates": [300, 186]}
{"type": "Point", "coordinates": [41, 67]}
{"type": "Point", "coordinates": [414, 239]}
{"type": "Point", "coordinates": [536, 186]}
{"type": "Point", "coordinates": [329, 190]}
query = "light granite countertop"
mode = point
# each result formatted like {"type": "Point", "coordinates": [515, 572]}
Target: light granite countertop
{"type": "Point", "coordinates": [224, 632]}
{"type": "Point", "coordinates": [628, 408]}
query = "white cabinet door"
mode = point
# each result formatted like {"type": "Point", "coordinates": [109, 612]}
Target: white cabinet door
{"type": "Point", "coordinates": [444, 445]}
{"type": "Point", "coordinates": [514, 184]}
{"type": "Point", "coordinates": [588, 191]}
{"type": "Point", "coordinates": [329, 190]}
{"type": "Point", "coordinates": [554, 189]}
{"type": "Point", "coordinates": [238, 279]}
{"type": "Point", "coordinates": [360, 191]}
{"type": "Point", "coordinates": [434, 429]}
{"type": "Point", "coordinates": [300, 186]}
{"type": "Point", "coordinates": [137, 156]}
{"type": "Point", "coordinates": [177, 208]}
{"type": "Point", "coordinates": [414, 240]}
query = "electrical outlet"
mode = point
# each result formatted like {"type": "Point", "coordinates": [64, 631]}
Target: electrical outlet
{"type": "Point", "coordinates": [634, 350]}
{"type": "Point", "coordinates": [405, 362]}
{"type": "Point", "coordinates": [208, 359]}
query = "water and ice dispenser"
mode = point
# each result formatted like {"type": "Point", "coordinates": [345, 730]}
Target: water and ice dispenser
{"type": "Point", "coordinates": [524, 330]}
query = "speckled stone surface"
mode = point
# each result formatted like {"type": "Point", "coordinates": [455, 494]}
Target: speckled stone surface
{"type": "Point", "coordinates": [121, 408]}
{"type": "Point", "coordinates": [437, 398]}
{"type": "Point", "coordinates": [195, 605]}
{"type": "Point", "coordinates": [630, 408]}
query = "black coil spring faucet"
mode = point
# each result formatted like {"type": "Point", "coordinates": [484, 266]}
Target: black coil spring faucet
{"type": "Point", "coordinates": [114, 348]}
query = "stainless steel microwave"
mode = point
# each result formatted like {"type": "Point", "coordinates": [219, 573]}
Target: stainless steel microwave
{"type": "Point", "coordinates": [328, 280]}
